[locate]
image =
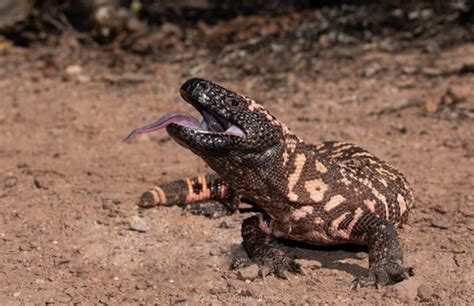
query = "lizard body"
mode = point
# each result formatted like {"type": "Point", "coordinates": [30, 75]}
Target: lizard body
{"type": "Point", "coordinates": [329, 193]}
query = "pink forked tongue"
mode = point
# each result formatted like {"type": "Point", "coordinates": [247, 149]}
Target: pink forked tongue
{"type": "Point", "coordinates": [178, 118]}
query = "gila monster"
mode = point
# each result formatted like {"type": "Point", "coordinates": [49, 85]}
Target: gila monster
{"type": "Point", "coordinates": [324, 194]}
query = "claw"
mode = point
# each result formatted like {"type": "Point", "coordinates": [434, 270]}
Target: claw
{"type": "Point", "coordinates": [210, 209]}
{"type": "Point", "coordinates": [296, 267]}
{"type": "Point", "coordinates": [280, 267]}
{"type": "Point", "coordinates": [408, 272]}
{"type": "Point", "coordinates": [360, 282]}
{"type": "Point", "coordinates": [380, 277]}
{"type": "Point", "coordinates": [264, 271]}
{"type": "Point", "coordinates": [281, 273]}
{"type": "Point", "coordinates": [378, 286]}
{"type": "Point", "coordinates": [354, 285]}
{"type": "Point", "coordinates": [237, 263]}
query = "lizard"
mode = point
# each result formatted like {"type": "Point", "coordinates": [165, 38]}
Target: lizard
{"type": "Point", "coordinates": [323, 194]}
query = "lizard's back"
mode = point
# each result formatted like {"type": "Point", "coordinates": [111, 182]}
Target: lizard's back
{"type": "Point", "coordinates": [339, 183]}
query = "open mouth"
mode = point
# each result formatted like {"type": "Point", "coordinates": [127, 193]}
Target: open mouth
{"type": "Point", "coordinates": [211, 122]}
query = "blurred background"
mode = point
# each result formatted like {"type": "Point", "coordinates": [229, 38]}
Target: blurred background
{"type": "Point", "coordinates": [177, 29]}
{"type": "Point", "coordinates": [395, 77]}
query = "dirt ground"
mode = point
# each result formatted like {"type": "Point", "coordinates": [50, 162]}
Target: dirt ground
{"type": "Point", "coordinates": [68, 185]}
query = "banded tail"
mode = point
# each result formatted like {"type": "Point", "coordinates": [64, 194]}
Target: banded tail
{"type": "Point", "coordinates": [185, 191]}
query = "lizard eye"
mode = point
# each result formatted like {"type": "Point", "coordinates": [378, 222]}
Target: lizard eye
{"type": "Point", "coordinates": [234, 104]}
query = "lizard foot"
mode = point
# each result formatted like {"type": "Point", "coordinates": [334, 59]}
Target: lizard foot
{"type": "Point", "coordinates": [211, 209]}
{"type": "Point", "coordinates": [264, 250]}
{"type": "Point", "coordinates": [382, 275]}
{"type": "Point", "coordinates": [280, 266]}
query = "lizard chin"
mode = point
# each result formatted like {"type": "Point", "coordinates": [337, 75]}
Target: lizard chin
{"type": "Point", "coordinates": [212, 124]}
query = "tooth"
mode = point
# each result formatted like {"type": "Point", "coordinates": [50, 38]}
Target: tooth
{"type": "Point", "coordinates": [235, 130]}
{"type": "Point", "coordinates": [203, 126]}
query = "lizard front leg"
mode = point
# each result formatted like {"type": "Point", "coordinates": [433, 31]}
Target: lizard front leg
{"type": "Point", "coordinates": [263, 249]}
{"type": "Point", "coordinates": [207, 195]}
{"type": "Point", "coordinates": [385, 254]}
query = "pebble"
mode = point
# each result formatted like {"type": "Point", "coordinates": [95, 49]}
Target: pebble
{"type": "Point", "coordinates": [405, 291]}
{"type": "Point", "coordinates": [107, 204]}
{"type": "Point", "coordinates": [431, 71]}
{"type": "Point", "coordinates": [10, 182]}
{"type": "Point", "coordinates": [249, 273]}
{"type": "Point", "coordinates": [431, 106]}
{"type": "Point", "coordinates": [73, 70]}
{"type": "Point", "coordinates": [82, 78]}
{"type": "Point", "coordinates": [467, 211]}
{"type": "Point", "coordinates": [441, 209]}
{"type": "Point", "coordinates": [361, 255]}
{"type": "Point", "coordinates": [409, 70]}
{"type": "Point", "coordinates": [39, 281]}
{"type": "Point", "coordinates": [439, 223]}
{"type": "Point", "coordinates": [424, 292]}
{"type": "Point", "coordinates": [371, 69]}
{"type": "Point", "coordinates": [309, 264]}
{"type": "Point", "coordinates": [227, 223]}
{"type": "Point", "coordinates": [218, 290]}
{"type": "Point", "coordinates": [140, 227]}
{"type": "Point", "coordinates": [454, 142]}
{"type": "Point", "coordinates": [249, 292]}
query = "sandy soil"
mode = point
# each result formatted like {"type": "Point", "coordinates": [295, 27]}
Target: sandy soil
{"type": "Point", "coordinates": [68, 186]}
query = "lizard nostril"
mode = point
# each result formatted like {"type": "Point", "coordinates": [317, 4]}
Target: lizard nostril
{"type": "Point", "coordinates": [190, 85]}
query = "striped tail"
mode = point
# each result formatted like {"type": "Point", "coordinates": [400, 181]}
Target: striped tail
{"type": "Point", "coordinates": [185, 191]}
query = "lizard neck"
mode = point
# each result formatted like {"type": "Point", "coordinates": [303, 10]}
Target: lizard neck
{"type": "Point", "coordinates": [259, 175]}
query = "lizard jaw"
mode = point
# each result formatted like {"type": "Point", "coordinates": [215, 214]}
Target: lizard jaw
{"type": "Point", "coordinates": [211, 123]}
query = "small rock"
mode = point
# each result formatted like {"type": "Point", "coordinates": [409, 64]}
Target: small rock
{"type": "Point", "coordinates": [309, 264]}
{"type": "Point", "coordinates": [39, 281]}
{"type": "Point", "coordinates": [82, 78]}
{"type": "Point", "coordinates": [443, 224]}
{"type": "Point", "coordinates": [16, 294]}
{"type": "Point", "coordinates": [371, 69]}
{"type": "Point", "coordinates": [405, 291]}
{"type": "Point", "coordinates": [249, 292]}
{"type": "Point", "coordinates": [424, 292]}
{"type": "Point", "coordinates": [234, 285]}
{"type": "Point", "coordinates": [251, 272]}
{"type": "Point", "coordinates": [431, 71]}
{"type": "Point", "coordinates": [73, 70]}
{"type": "Point", "coordinates": [140, 227]}
{"type": "Point", "coordinates": [440, 209]}
{"type": "Point", "coordinates": [107, 204]}
{"type": "Point", "coordinates": [467, 212]}
{"type": "Point", "coordinates": [9, 182]}
{"type": "Point", "coordinates": [453, 96]}
{"type": "Point", "coordinates": [218, 290]}
{"type": "Point", "coordinates": [433, 49]}
{"type": "Point", "coordinates": [409, 70]}
{"type": "Point", "coordinates": [361, 255]}
{"type": "Point", "coordinates": [317, 264]}
{"type": "Point", "coordinates": [226, 223]}
{"type": "Point", "coordinates": [454, 142]}
{"type": "Point", "coordinates": [431, 106]}
{"type": "Point", "coordinates": [470, 226]}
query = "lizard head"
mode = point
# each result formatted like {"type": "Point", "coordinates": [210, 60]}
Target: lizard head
{"type": "Point", "coordinates": [231, 122]}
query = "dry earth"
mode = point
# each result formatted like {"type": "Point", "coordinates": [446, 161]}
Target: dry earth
{"type": "Point", "coordinates": [68, 186]}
